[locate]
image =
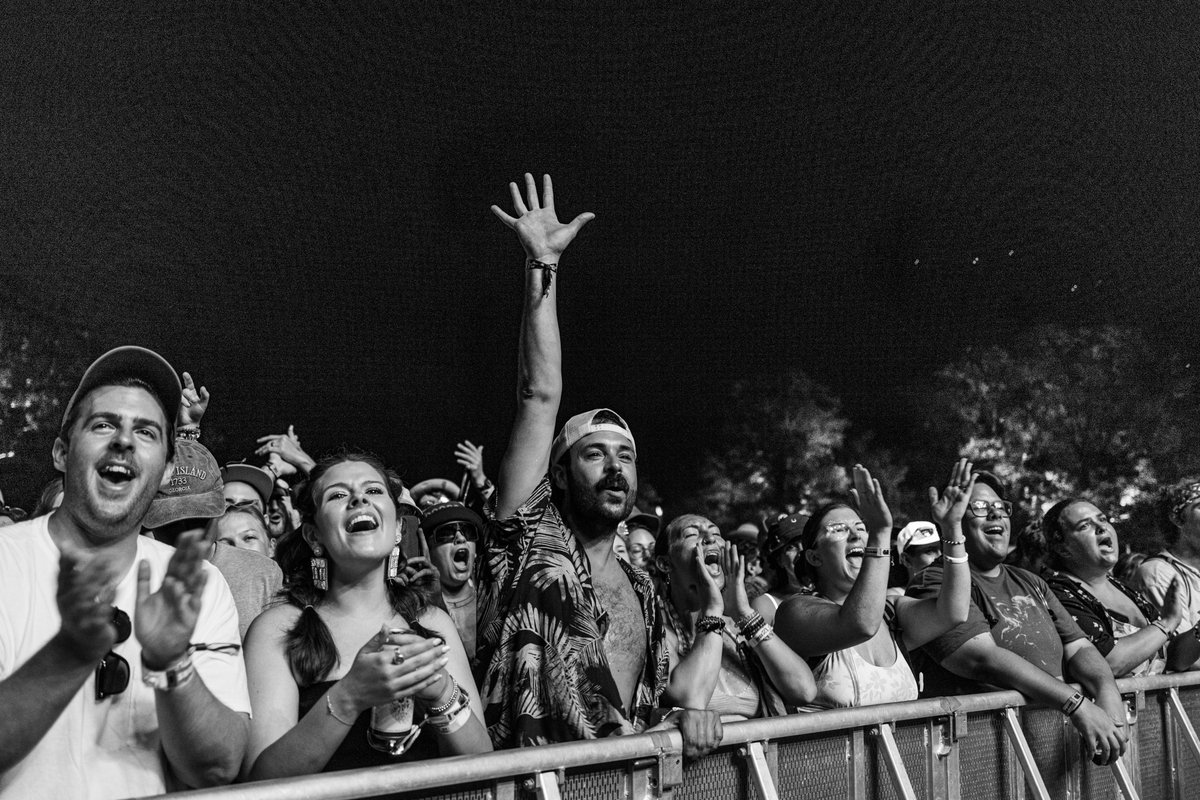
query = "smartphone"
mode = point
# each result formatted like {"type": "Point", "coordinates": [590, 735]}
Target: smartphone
{"type": "Point", "coordinates": [412, 541]}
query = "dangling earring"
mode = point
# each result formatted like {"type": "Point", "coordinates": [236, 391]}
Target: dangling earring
{"type": "Point", "coordinates": [320, 569]}
{"type": "Point", "coordinates": [394, 560]}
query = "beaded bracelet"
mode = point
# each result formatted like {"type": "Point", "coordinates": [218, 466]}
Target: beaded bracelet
{"type": "Point", "coordinates": [454, 719]}
{"type": "Point", "coordinates": [437, 711]}
{"type": "Point", "coordinates": [750, 619]}
{"type": "Point", "coordinates": [188, 433]}
{"type": "Point", "coordinates": [710, 625]}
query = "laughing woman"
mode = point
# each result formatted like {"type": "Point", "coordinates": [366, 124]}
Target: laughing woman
{"type": "Point", "coordinates": [349, 639]}
{"type": "Point", "coordinates": [1082, 549]}
{"type": "Point", "coordinates": [850, 631]}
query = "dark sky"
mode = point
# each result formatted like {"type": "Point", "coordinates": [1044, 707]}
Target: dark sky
{"type": "Point", "coordinates": [291, 199]}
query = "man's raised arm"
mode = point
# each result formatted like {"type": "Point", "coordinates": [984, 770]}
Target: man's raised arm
{"type": "Point", "coordinates": [539, 357]}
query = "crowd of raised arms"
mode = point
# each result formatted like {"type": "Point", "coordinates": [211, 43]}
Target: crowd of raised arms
{"type": "Point", "coordinates": [166, 622]}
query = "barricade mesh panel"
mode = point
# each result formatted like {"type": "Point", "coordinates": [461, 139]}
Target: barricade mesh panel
{"type": "Point", "coordinates": [719, 775]}
{"type": "Point", "coordinates": [816, 766]}
{"type": "Point", "coordinates": [478, 791]}
{"type": "Point", "coordinates": [1185, 759]}
{"type": "Point", "coordinates": [1096, 783]}
{"type": "Point", "coordinates": [910, 741]}
{"type": "Point", "coordinates": [597, 784]}
{"type": "Point", "coordinates": [1152, 751]}
{"type": "Point", "coordinates": [1044, 731]}
{"type": "Point", "coordinates": [983, 759]}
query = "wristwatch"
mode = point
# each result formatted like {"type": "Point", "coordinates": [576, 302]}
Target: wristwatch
{"type": "Point", "coordinates": [171, 678]}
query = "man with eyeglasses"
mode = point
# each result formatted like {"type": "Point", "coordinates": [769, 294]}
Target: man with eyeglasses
{"type": "Point", "coordinates": [103, 690]}
{"type": "Point", "coordinates": [1018, 635]}
{"type": "Point", "coordinates": [452, 532]}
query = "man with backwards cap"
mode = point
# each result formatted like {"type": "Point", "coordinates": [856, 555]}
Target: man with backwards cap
{"type": "Point", "coordinates": [918, 544]}
{"type": "Point", "coordinates": [576, 650]}
{"type": "Point", "coordinates": [452, 531]}
{"type": "Point", "coordinates": [102, 690]}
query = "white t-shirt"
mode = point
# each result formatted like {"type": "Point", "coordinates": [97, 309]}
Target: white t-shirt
{"type": "Point", "coordinates": [110, 748]}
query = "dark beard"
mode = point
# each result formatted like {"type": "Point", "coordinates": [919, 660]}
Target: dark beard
{"type": "Point", "coordinates": [586, 505]}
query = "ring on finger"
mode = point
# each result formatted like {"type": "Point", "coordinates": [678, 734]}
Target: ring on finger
{"type": "Point", "coordinates": [397, 656]}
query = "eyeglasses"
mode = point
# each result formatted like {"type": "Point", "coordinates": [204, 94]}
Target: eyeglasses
{"type": "Point", "coordinates": [840, 531]}
{"type": "Point", "coordinates": [982, 508]}
{"type": "Point", "coordinates": [112, 674]}
{"type": "Point", "coordinates": [448, 532]}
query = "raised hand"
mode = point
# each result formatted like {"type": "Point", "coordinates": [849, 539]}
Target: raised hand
{"type": "Point", "coordinates": [192, 403]}
{"type": "Point", "coordinates": [471, 459]}
{"type": "Point", "coordinates": [1174, 605]}
{"type": "Point", "coordinates": [164, 621]}
{"type": "Point", "coordinates": [85, 592]}
{"type": "Point", "coordinates": [712, 603]}
{"type": "Point", "coordinates": [868, 499]}
{"type": "Point", "coordinates": [948, 509]}
{"type": "Point", "coordinates": [737, 603]}
{"type": "Point", "coordinates": [538, 229]}
{"type": "Point", "coordinates": [284, 454]}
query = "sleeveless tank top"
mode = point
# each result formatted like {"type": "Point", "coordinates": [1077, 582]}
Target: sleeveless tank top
{"type": "Point", "coordinates": [354, 751]}
{"type": "Point", "coordinates": [846, 678]}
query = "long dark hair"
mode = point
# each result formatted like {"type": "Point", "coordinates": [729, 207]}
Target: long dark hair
{"type": "Point", "coordinates": [310, 648]}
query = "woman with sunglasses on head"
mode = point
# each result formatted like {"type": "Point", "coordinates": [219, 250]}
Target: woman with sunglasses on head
{"type": "Point", "coordinates": [1081, 551]}
{"type": "Point", "coordinates": [351, 638]}
{"type": "Point", "coordinates": [850, 631]}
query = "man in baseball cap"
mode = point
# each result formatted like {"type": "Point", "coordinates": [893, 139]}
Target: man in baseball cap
{"type": "Point", "coordinates": [194, 500]}
{"type": "Point", "coordinates": [551, 673]}
{"type": "Point", "coordinates": [248, 483]}
{"type": "Point", "coordinates": [452, 532]}
{"type": "Point", "coordinates": [918, 545]}
{"type": "Point", "coordinates": [87, 633]}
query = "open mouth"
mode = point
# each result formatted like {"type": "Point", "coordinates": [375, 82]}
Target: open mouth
{"type": "Point", "coordinates": [462, 557]}
{"type": "Point", "coordinates": [1105, 542]}
{"type": "Point", "coordinates": [854, 552]}
{"type": "Point", "coordinates": [712, 561]}
{"type": "Point", "coordinates": [361, 523]}
{"type": "Point", "coordinates": [994, 530]}
{"type": "Point", "coordinates": [116, 473]}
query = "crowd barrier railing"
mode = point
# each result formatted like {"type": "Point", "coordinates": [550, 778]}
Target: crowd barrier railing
{"type": "Point", "coordinates": [994, 746]}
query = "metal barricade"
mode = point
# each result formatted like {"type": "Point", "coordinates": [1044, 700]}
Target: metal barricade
{"type": "Point", "coordinates": [982, 747]}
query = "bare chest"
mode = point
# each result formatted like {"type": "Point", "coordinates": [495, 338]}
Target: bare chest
{"type": "Point", "coordinates": [625, 638]}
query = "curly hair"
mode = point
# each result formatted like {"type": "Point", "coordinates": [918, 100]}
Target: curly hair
{"type": "Point", "coordinates": [311, 651]}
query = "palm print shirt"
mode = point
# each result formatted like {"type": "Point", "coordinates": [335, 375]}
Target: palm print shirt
{"type": "Point", "coordinates": [545, 676]}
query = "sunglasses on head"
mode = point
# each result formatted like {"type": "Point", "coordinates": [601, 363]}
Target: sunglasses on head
{"type": "Point", "coordinates": [112, 674]}
{"type": "Point", "coordinates": [448, 532]}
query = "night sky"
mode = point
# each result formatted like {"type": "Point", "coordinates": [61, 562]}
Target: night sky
{"type": "Point", "coordinates": [290, 200]}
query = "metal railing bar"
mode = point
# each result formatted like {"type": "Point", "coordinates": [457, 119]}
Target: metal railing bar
{"type": "Point", "coordinates": [1181, 719]}
{"type": "Point", "coordinates": [1124, 781]}
{"type": "Point", "coordinates": [760, 773]}
{"type": "Point", "coordinates": [895, 765]}
{"type": "Point", "coordinates": [487, 767]}
{"type": "Point", "coordinates": [546, 784]}
{"type": "Point", "coordinates": [1033, 778]}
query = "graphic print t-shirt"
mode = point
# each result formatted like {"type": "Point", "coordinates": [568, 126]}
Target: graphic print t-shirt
{"type": "Point", "coordinates": [1023, 615]}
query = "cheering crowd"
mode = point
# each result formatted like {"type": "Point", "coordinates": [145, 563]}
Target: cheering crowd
{"type": "Point", "coordinates": [166, 622]}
